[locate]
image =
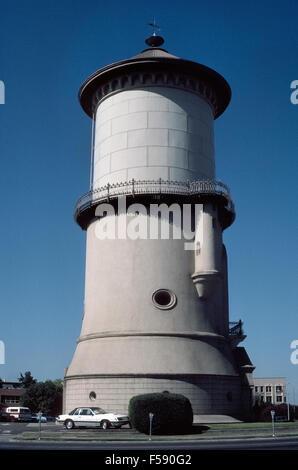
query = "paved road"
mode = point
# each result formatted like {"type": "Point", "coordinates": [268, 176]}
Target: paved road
{"type": "Point", "coordinates": [173, 446]}
{"type": "Point", "coordinates": [19, 428]}
{"type": "Point", "coordinates": [10, 430]}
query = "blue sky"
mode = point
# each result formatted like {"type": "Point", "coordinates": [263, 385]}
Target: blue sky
{"type": "Point", "coordinates": [47, 49]}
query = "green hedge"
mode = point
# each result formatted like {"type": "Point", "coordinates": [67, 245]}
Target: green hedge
{"type": "Point", "coordinates": [172, 413]}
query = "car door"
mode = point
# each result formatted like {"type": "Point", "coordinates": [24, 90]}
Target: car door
{"type": "Point", "coordinates": [87, 418]}
{"type": "Point", "coordinates": [76, 417]}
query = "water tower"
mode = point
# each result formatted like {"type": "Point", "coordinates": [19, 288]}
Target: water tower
{"type": "Point", "coordinates": [156, 314]}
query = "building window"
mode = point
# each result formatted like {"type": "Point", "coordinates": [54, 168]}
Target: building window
{"type": "Point", "coordinates": [261, 389]}
{"type": "Point", "coordinates": [279, 399]}
{"type": "Point", "coordinates": [269, 399]}
{"type": "Point", "coordinates": [278, 389]}
{"type": "Point", "coordinates": [256, 389]}
{"type": "Point", "coordinates": [268, 388]}
{"type": "Point", "coordinates": [164, 299]}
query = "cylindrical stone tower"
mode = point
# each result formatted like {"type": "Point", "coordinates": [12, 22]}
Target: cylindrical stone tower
{"type": "Point", "coordinates": [156, 314]}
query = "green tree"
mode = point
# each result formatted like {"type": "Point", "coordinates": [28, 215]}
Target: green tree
{"type": "Point", "coordinates": [27, 380]}
{"type": "Point", "coordinates": [45, 397]}
{"type": "Point", "coordinates": [58, 383]}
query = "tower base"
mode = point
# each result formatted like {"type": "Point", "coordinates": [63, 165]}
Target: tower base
{"type": "Point", "coordinates": [208, 394]}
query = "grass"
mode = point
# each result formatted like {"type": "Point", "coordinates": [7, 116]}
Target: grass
{"type": "Point", "coordinates": [247, 426]}
{"type": "Point", "coordinates": [212, 431]}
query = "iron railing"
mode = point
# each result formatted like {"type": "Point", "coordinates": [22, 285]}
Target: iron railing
{"type": "Point", "coordinates": [154, 187]}
{"type": "Point", "coordinates": [236, 328]}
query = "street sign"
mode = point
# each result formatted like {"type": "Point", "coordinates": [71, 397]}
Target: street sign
{"type": "Point", "coordinates": [39, 415]}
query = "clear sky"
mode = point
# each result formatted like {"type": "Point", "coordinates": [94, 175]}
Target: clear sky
{"type": "Point", "coordinates": [48, 48]}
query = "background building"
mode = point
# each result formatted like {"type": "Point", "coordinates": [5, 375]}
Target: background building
{"type": "Point", "coordinates": [11, 393]}
{"type": "Point", "coordinates": [270, 390]}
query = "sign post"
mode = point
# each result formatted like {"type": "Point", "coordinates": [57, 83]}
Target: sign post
{"type": "Point", "coordinates": [272, 416]}
{"type": "Point", "coordinates": [39, 414]}
{"type": "Point", "coordinates": [150, 425]}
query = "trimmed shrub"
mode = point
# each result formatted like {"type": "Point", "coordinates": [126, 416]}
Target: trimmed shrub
{"type": "Point", "coordinates": [172, 413]}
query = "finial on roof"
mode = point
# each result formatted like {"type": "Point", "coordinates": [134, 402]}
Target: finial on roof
{"type": "Point", "coordinates": [154, 40]}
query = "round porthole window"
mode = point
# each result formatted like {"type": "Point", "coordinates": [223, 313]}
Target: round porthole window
{"type": "Point", "coordinates": [92, 396]}
{"type": "Point", "coordinates": [164, 299]}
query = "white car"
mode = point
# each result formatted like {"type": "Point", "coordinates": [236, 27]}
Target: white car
{"type": "Point", "coordinates": [92, 417]}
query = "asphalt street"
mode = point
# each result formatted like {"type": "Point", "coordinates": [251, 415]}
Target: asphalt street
{"type": "Point", "coordinates": [10, 431]}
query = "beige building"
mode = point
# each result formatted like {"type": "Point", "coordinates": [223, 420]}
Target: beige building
{"type": "Point", "coordinates": [270, 390]}
{"type": "Point", "coordinates": [156, 315]}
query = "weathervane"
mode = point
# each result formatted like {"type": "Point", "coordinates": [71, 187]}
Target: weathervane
{"type": "Point", "coordinates": [155, 40]}
{"type": "Point", "coordinates": [155, 27]}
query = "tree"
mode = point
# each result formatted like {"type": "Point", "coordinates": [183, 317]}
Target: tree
{"type": "Point", "coordinates": [1, 383]}
{"type": "Point", "coordinates": [45, 397]}
{"type": "Point", "coordinates": [26, 380]}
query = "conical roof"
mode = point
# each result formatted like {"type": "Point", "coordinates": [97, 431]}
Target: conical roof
{"type": "Point", "coordinates": [149, 60]}
{"type": "Point", "coordinates": [155, 52]}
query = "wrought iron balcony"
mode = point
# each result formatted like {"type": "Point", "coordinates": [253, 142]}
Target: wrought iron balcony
{"type": "Point", "coordinates": [236, 334]}
{"type": "Point", "coordinates": [154, 187]}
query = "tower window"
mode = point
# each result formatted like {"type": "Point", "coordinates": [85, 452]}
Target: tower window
{"type": "Point", "coordinates": [92, 396]}
{"type": "Point", "coordinates": [164, 299]}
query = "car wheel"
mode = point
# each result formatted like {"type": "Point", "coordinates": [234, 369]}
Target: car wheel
{"type": "Point", "coordinates": [69, 424]}
{"type": "Point", "coordinates": [105, 425]}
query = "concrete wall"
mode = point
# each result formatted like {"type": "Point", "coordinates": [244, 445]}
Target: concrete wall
{"type": "Point", "coordinates": [208, 395]}
{"type": "Point", "coordinates": [123, 330]}
{"type": "Point", "coordinates": [121, 276]}
{"type": "Point", "coordinates": [153, 133]}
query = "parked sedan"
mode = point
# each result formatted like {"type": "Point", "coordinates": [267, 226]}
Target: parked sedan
{"type": "Point", "coordinates": [92, 417]}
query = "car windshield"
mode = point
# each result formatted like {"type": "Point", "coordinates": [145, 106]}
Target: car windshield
{"type": "Point", "coordinates": [98, 411]}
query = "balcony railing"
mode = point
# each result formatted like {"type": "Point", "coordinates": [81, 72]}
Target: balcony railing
{"type": "Point", "coordinates": [236, 333]}
{"type": "Point", "coordinates": [236, 328]}
{"type": "Point", "coordinates": [154, 187]}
